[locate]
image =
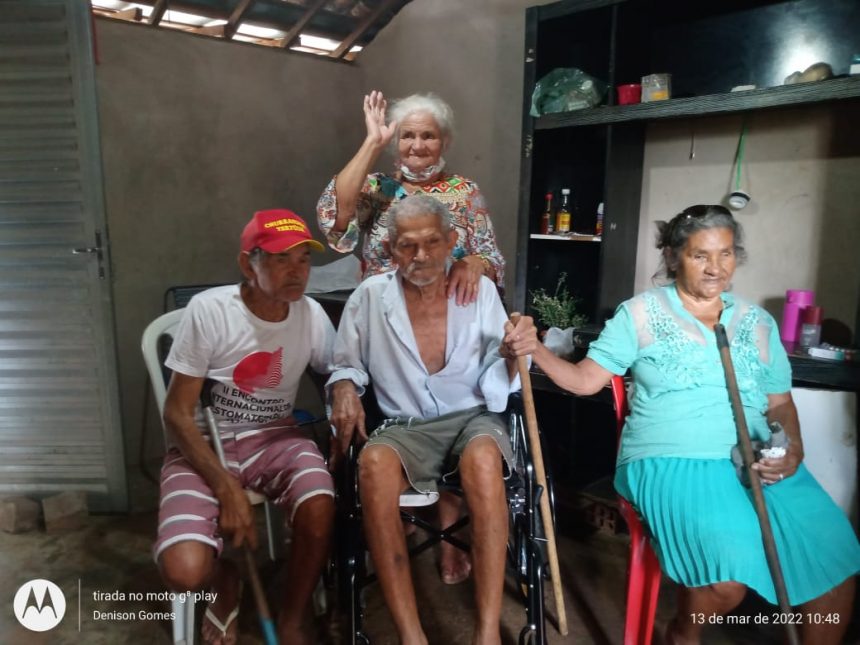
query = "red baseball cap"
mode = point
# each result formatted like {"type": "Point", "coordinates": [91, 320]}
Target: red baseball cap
{"type": "Point", "coordinates": [276, 231]}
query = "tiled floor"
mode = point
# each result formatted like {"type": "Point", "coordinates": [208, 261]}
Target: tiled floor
{"type": "Point", "coordinates": [111, 554]}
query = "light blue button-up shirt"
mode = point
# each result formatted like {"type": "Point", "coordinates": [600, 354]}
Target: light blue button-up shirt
{"type": "Point", "coordinates": [375, 340]}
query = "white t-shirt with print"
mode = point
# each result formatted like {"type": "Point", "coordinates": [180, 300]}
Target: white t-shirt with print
{"type": "Point", "coordinates": [256, 365]}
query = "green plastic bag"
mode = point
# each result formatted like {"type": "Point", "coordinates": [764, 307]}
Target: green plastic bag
{"type": "Point", "coordinates": [565, 89]}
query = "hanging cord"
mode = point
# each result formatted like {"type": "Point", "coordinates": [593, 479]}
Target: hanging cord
{"type": "Point", "coordinates": [739, 155]}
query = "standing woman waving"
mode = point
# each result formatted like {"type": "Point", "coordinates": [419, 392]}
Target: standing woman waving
{"type": "Point", "coordinates": [357, 200]}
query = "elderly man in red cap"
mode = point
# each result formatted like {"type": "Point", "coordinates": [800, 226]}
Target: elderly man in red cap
{"type": "Point", "coordinates": [254, 340]}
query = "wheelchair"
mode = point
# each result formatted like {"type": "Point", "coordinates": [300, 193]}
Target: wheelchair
{"type": "Point", "coordinates": [527, 561]}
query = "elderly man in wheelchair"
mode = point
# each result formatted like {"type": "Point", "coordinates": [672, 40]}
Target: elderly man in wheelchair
{"type": "Point", "coordinates": [441, 375]}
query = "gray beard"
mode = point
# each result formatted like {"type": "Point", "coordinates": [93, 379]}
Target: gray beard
{"type": "Point", "coordinates": [407, 275]}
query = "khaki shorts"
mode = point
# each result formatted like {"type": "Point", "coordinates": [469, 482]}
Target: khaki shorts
{"type": "Point", "coordinates": [430, 449]}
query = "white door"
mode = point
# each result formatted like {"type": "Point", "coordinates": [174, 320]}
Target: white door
{"type": "Point", "coordinates": [59, 412]}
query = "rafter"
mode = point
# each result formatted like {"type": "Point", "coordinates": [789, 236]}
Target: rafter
{"type": "Point", "coordinates": [157, 12]}
{"type": "Point", "coordinates": [237, 17]}
{"type": "Point", "coordinates": [363, 26]}
{"type": "Point", "coordinates": [132, 14]}
{"type": "Point", "coordinates": [296, 29]}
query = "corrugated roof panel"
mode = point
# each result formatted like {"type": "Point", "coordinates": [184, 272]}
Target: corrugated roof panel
{"type": "Point", "coordinates": [336, 19]}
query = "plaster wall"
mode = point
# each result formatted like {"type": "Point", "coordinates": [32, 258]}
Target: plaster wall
{"type": "Point", "coordinates": [801, 164]}
{"type": "Point", "coordinates": [196, 135]}
{"type": "Point", "coordinates": [801, 167]}
{"type": "Point", "coordinates": [471, 54]}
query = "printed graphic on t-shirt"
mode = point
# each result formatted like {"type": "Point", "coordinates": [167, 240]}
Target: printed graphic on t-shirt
{"type": "Point", "coordinates": [260, 370]}
{"type": "Point", "coordinates": [243, 404]}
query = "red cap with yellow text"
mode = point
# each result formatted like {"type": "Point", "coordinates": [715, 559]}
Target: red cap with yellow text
{"type": "Point", "coordinates": [276, 231]}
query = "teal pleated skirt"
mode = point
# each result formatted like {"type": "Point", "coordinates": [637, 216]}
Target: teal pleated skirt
{"type": "Point", "coordinates": [704, 528]}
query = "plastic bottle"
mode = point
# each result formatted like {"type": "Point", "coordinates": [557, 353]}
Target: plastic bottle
{"type": "Point", "coordinates": [546, 219]}
{"type": "Point", "coordinates": [562, 217]}
{"type": "Point", "coordinates": [598, 227]}
{"type": "Point", "coordinates": [810, 326]}
{"type": "Point", "coordinates": [795, 301]}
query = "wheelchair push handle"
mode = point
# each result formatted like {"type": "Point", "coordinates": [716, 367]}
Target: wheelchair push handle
{"type": "Point", "coordinates": [540, 473]}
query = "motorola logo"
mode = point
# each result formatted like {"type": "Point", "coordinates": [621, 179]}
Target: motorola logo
{"type": "Point", "coordinates": [39, 605]}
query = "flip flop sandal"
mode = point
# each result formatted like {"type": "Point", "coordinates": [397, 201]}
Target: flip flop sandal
{"type": "Point", "coordinates": [223, 627]}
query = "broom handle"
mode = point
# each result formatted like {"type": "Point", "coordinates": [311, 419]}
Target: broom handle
{"type": "Point", "coordinates": [755, 483]}
{"type": "Point", "coordinates": [540, 473]}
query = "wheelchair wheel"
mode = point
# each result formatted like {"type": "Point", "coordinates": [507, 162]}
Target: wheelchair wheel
{"type": "Point", "coordinates": [527, 547]}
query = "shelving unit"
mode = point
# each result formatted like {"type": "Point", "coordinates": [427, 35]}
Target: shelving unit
{"type": "Point", "coordinates": [708, 46]}
{"type": "Point", "coordinates": [783, 96]}
{"type": "Point", "coordinates": [569, 237]}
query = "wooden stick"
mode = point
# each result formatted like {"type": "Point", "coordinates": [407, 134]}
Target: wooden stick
{"type": "Point", "coordinates": [546, 514]}
{"type": "Point", "coordinates": [755, 484]}
{"type": "Point", "coordinates": [268, 626]}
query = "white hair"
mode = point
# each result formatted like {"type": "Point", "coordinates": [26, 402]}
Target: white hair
{"type": "Point", "coordinates": [417, 205]}
{"type": "Point", "coordinates": [441, 112]}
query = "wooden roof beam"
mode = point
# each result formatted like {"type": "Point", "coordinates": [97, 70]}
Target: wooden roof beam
{"type": "Point", "coordinates": [294, 32]}
{"type": "Point", "coordinates": [362, 27]}
{"type": "Point", "coordinates": [237, 17]}
{"type": "Point", "coordinates": [157, 12]}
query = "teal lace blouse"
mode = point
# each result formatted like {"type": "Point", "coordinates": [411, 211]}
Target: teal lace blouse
{"type": "Point", "coordinates": [680, 405]}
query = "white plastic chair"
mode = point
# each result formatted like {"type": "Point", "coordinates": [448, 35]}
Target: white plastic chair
{"type": "Point", "coordinates": [165, 325]}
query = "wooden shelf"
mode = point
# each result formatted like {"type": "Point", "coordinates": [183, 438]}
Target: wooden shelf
{"type": "Point", "coordinates": [806, 372]}
{"type": "Point", "coordinates": [569, 237]}
{"type": "Point", "coordinates": [817, 372]}
{"type": "Point", "coordinates": [771, 97]}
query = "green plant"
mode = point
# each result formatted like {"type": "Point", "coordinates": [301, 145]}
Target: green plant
{"type": "Point", "coordinates": [559, 309]}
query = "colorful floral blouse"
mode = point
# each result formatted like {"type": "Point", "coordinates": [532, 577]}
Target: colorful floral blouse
{"type": "Point", "coordinates": [462, 197]}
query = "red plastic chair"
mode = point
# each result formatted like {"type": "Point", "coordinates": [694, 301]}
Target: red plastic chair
{"type": "Point", "coordinates": [643, 575]}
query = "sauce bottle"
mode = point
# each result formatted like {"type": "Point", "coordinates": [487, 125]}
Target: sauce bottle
{"type": "Point", "coordinates": [598, 227]}
{"type": "Point", "coordinates": [562, 217]}
{"type": "Point", "coordinates": [546, 219]}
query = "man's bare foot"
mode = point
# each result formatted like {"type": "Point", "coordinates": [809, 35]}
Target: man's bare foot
{"type": "Point", "coordinates": [220, 625]}
{"type": "Point", "coordinates": [454, 564]}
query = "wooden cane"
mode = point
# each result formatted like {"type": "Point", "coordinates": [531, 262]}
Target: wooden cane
{"type": "Point", "coordinates": [755, 484]}
{"type": "Point", "coordinates": [540, 473]}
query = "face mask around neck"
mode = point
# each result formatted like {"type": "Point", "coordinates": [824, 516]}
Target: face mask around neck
{"type": "Point", "coordinates": [422, 175]}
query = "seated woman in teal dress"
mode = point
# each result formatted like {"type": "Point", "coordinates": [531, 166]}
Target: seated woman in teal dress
{"type": "Point", "coordinates": [674, 463]}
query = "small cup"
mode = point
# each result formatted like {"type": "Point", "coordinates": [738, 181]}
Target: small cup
{"type": "Point", "coordinates": [656, 87]}
{"type": "Point", "coordinates": [738, 199]}
{"type": "Point", "coordinates": [630, 93]}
